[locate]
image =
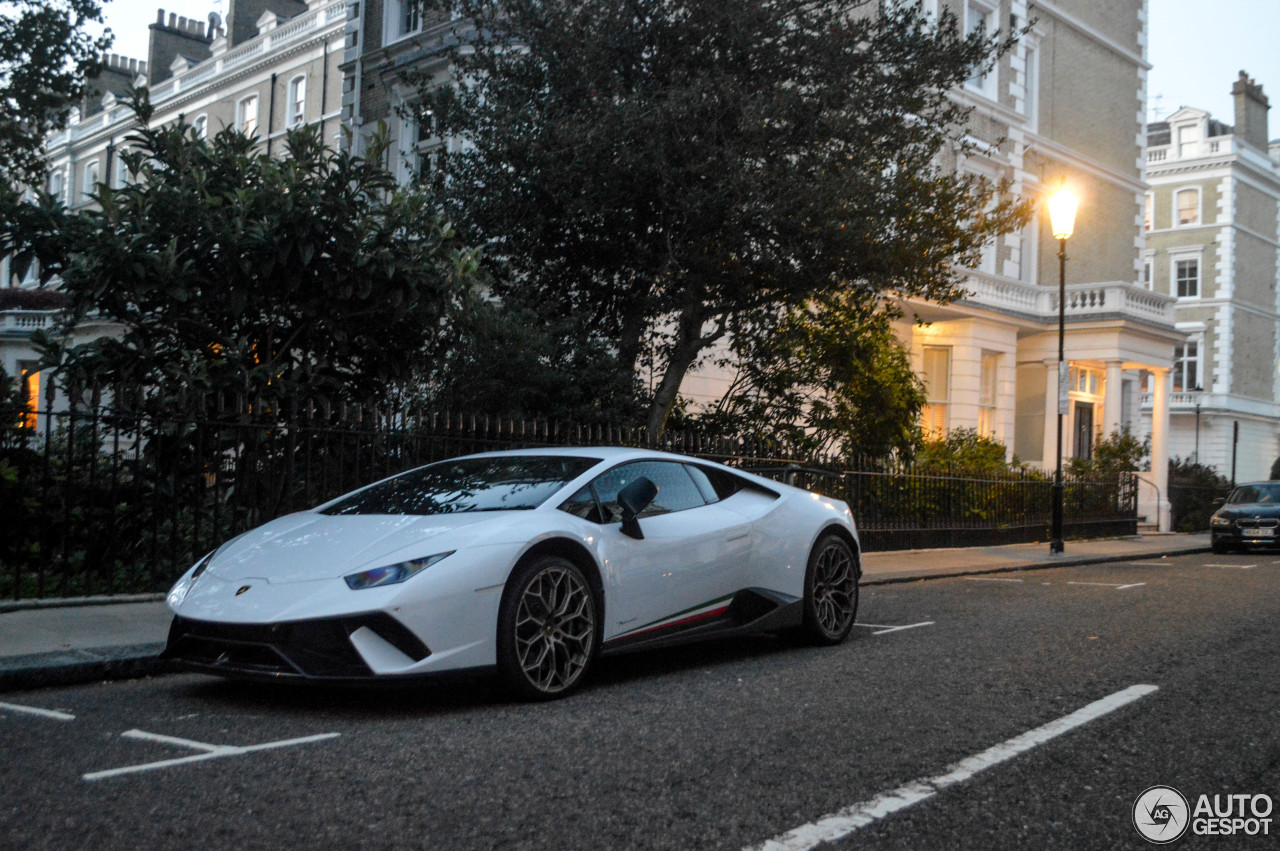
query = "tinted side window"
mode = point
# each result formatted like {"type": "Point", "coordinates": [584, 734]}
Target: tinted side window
{"type": "Point", "coordinates": [676, 489]}
{"type": "Point", "coordinates": [724, 484]}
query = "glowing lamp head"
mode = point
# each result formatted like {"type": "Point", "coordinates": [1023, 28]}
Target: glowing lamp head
{"type": "Point", "coordinates": [1062, 213]}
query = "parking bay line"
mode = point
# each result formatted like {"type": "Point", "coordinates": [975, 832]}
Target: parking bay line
{"type": "Point", "coordinates": [885, 628]}
{"type": "Point", "coordinates": [1109, 584]}
{"type": "Point", "coordinates": [210, 751]}
{"type": "Point", "coordinates": [839, 825]}
{"type": "Point", "coordinates": [1238, 566]}
{"type": "Point", "coordinates": [34, 710]}
{"type": "Point", "coordinates": [990, 579]}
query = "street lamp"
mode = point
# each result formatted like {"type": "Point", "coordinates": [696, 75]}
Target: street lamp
{"type": "Point", "coordinates": [1062, 218]}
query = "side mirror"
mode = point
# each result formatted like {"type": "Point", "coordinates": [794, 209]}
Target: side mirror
{"type": "Point", "coordinates": [633, 499]}
{"type": "Point", "coordinates": [1219, 501]}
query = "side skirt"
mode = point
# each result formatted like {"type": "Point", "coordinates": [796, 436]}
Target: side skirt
{"type": "Point", "coordinates": [750, 611]}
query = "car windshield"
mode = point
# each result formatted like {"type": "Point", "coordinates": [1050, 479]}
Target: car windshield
{"type": "Point", "coordinates": [1255, 493]}
{"type": "Point", "coordinates": [502, 483]}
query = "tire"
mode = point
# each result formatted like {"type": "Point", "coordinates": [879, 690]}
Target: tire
{"type": "Point", "coordinates": [830, 591]}
{"type": "Point", "coordinates": [1220, 548]}
{"type": "Point", "coordinates": [548, 629]}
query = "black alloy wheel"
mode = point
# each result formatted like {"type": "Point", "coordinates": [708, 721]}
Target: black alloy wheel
{"type": "Point", "coordinates": [830, 591]}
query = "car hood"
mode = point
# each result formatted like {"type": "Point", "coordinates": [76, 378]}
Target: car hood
{"type": "Point", "coordinates": [1249, 510]}
{"type": "Point", "coordinates": [309, 546]}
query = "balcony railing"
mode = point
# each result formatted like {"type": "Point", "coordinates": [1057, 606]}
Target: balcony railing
{"type": "Point", "coordinates": [1084, 301]}
{"type": "Point", "coordinates": [20, 323]}
{"type": "Point", "coordinates": [1210, 147]}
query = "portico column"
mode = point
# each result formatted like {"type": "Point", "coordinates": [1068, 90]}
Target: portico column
{"type": "Point", "coordinates": [1050, 456]}
{"type": "Point", "coordinates": [1111, 400]}
{"type": "Point", "coordinates": [1161, 378]}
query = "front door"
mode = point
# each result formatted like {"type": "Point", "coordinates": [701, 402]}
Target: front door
{"type": "Point", "coordinates": [1084, 430]}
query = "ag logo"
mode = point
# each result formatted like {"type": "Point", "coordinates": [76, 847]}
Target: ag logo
{"type": "Point", "coordinates": [1161, 815]}
{"type": "Point", "coordinates": [241, 590]}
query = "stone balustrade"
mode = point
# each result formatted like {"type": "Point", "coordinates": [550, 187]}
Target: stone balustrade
{"type": "Point", "coordinates": [1084, 301]}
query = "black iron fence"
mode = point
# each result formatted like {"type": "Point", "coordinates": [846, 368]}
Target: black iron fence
{"type": "Point", "coordinates": [99, 502]}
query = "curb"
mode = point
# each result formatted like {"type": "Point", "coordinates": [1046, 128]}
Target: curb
{"type": "Point", "coordinates": [74, 667]}
{"type": "Point", "coordinates": [1067, 561]}
{"type": "Point", "coordinates": [67, 602]}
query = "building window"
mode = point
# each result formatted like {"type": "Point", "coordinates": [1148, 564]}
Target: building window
{"type": "Point", "coordinates": [91, 170]}
{"type": "Point", "coordinates": [1149, 211]}
{"type": "Point", "coordinates": [297, 101]}
{"type": "Point", "coordinates": [122, 171]}
{"type": "Point", "coordinates": [1146, 273]}
{"type": "Point", "coordinates": [1186, 278]}
{"type": "Point", "coordinates": [30, 394]}
{"type": "Point", "coordinates": [937, 390]}
{"type": "Point", "coordinates": [1188, 141]}
{"type": "Point", "coordinates": [1187, 203]}
{"type": "Point", "coordinates": [201, 126]}
{"type": "Point", "coordinates": [987, 393]}
{"type": "Point", "coordinates": [403, 18]}
{"type": "Point", "coordinates": [55, 185]}
{"type": "Point", "coordinates": [980, 18]}
{"type": "Point", "coordinates": [247, 116]}
{"type": "Point", "coordinates": [1186, 367]}
{"type": "Point", "coordinates": [1031, 100]}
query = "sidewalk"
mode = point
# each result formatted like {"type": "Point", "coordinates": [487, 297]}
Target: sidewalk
{"type": "Point", "coordinates": [59, 642]}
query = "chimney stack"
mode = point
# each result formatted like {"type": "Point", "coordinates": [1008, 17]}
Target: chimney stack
{"type": "Point", "coordinates": [169, 40]}
{"type": "Point", "coordinates": [1251, 111]}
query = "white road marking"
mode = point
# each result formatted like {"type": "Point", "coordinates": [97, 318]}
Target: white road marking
{"type": "Point", "coordinates": [839, 825]}
{"type": "Point", "coordinates": [1148, 563]}
{"type": "Point", "coordinates": [43, 713]}
{"type": "Point", "coordinates": [1114, 585]}
{"type": "Point", "coordinates": [990, 579]}
{"type": "Point", "coordinates": [216, 752]}
{"type": "Point", "coordinates": [169, 740]}
{"type": "Point", "coordinates": [1240, 566]}
{"type": "Point", "coordinates": [884, 627]}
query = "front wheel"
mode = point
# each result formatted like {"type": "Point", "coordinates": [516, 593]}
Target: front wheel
{"type": "Point", "coordinates": [830, 591]}
{"type": "Point", "coordinates": [547, 626]}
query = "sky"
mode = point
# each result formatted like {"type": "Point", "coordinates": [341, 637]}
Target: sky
{"type": "Point", "coordinates": [1196, 47]}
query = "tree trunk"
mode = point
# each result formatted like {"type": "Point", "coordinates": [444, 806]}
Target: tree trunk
{"type": "Point", "coordinates": [689, 343]}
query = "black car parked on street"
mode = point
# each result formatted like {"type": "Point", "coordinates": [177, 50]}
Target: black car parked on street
{"type": "Point", "coordinates": [1249, 517]}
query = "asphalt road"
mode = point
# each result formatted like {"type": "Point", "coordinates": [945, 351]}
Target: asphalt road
{"type": "Point", "coordinates": [716, 746]}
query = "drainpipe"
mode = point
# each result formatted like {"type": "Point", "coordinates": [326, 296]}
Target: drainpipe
{"type": "Point", "coordinates": [271, 113]}
{"type": "Point", "coordinates": [324, 84]}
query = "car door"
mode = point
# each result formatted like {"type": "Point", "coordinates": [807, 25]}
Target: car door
{"type": "Point", "coordinates": [689, 561]}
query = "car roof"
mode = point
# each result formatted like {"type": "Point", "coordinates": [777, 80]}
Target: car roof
{"type": "Point", "coordinates": [603, 453]}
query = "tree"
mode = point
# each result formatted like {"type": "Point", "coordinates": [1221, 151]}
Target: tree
{"type": "Point", "coordinates": [661, 169]}
{"type": "Point", "coordinates": [227, 270]}
{"type": "Point", "coordinates": [1119, 452]}
{"type": "Point", "coordinates": [45, 57]}
{"type": "Point", "coordinates": [825, 376]}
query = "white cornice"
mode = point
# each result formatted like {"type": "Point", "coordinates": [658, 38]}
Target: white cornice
{"type": "Point", "coordinates": [1078, 161]}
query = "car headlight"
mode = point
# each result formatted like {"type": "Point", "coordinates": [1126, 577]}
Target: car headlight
{"type": "Point", "coordinates": [393, 573]}
{"type": "Point", "coordinates": [1220, 521]}
{"type": "Point", "coordinates": [183, 586]}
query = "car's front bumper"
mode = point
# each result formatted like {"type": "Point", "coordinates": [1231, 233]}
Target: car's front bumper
{"type": "Point", "coordinates": [1237, 537]}
{"type": "Point", "coordinates": [334, 648]}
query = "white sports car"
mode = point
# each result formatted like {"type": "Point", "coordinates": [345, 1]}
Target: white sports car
{"type": "Point", "coordinates": [531, 561]}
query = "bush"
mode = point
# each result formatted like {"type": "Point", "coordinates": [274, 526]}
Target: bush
{"type": "Point", "coordinates": [1192, 489]}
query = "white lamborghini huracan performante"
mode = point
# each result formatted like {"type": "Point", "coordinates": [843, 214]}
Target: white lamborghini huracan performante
{"type": "Point", "coordinates": [534, 562]}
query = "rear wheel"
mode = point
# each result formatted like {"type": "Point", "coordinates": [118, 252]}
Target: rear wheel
{"type": "Point", "coordinates": [830, 591]}
{"type": "Point", "coordinates": [547, 628]}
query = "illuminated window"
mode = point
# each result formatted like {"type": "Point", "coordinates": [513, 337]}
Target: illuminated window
{"type": "Point", "coordinates": [1149, 210]}
{"type": "Point", "coordinates": [987, 393]}
{"type": "Point", "coordinates": [31, 398]}
{"type": "Point", "coordinates": [1188, 202]}
{"type": "Point", "coordinates": [937, 390]}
